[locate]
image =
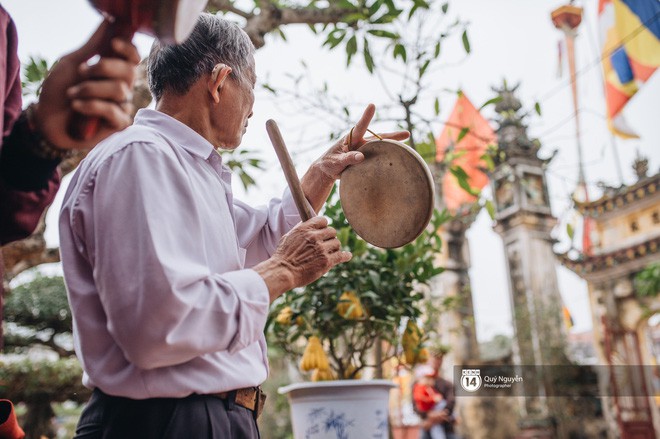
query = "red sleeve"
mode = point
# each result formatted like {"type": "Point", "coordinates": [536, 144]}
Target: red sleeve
{"type": "Point", "coordinates": [20, 209]}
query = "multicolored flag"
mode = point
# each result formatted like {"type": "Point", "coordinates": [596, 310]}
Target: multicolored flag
{"type": "Point", "coordinates": [466, 136]}
{"type": "Point", "coordinates": [630, 39]}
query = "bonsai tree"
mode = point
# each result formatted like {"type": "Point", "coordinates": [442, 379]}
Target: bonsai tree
{"type": "Point", "coordinates": [38, 317]}
{"type": "Point", "coordinates": [333, 326]}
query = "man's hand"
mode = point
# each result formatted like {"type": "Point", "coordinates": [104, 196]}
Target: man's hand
{"type": "Point", "coordinates": [303, 255]}
{"type": "Point", "coordinates": [320, 178]}
{"type": "Point", "coordinates": [102, 90]}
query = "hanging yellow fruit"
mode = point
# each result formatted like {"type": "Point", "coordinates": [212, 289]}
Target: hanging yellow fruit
{"type": "Point", "coordinates": [411, 336]}
{"type": "Point", "coordinates": [410, 342]}
{"type": "Point", "coordinates": [350, 370]}
{"type": "Point", "coordinates": [322, 375]}
{"type": "Point", "coordinates": [314, 357]}
{"type": "Point", "coordinates": [422, 356]}
{"type": "Point", "coordinates": [349, 301]}
{"type": "Point", "coordinates": [284, 316]}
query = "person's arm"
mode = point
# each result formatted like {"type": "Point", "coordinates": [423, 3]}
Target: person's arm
{"type": "Point", "coordinates": [39, 139]}
{"type": "Point", "coordinates": [28, 184]}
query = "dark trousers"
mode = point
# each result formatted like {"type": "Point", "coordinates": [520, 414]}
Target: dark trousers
{"type": "Point", "coordinates": [196, 416]}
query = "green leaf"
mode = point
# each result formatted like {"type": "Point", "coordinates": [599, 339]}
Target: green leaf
{"type": "Point", "coordinates": [269, 88]}
{"type": "Point", "coordinates": [462, 134]}
{"type": "Point", "coordinates": [436, 106]}
{"type": "Point", "coordinates": [425, 66]}
{"type": "Point", "coordinates": [570, 230]}
{"type": "Point", "coordinates": [383, 33]}
{"type": "Point", "coordinates": [335, 38]}
{"type": "Point", "coordinates": [462, 180]}
{"type": "Point", "coordinates": [400, 50]}
{"type": "Point", "coordinates": [495, 100]}
{"type": "Point", "coordinates": [490, 209]}
{"type": "Point", "coordinates": [537, 108]}
{"type": "Point", "coordinates": [351, 49]}
{"type": "Point", "coordinates": [445, 6]}
{"type": "Point", "coordinates": [466, 41]}
{"type": "Point", "coordinates": [488, 159]}
{"type": "Point", "coordinates": [436, 51]}
{"type": "Point", "coordinates": [369, 61]}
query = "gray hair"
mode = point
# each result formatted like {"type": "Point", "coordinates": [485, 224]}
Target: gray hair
{"type": "Point", "coordinates": [213, 40]}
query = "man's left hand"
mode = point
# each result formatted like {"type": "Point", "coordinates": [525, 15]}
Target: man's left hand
{"type": "Point", "coordinates": [318, 181]}
{"type": "Point", "coordinates": [341, 154]}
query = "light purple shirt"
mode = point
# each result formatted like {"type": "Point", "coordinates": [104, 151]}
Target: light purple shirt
{"type": "Point", "coordinates": [155, 250]}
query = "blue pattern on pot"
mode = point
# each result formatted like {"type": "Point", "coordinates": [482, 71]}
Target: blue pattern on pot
{"type": "Point", "coordinates": [322, 420]}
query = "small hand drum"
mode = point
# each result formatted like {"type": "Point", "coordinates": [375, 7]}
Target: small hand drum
{"type": "Point", "coordinates": [388, 199]}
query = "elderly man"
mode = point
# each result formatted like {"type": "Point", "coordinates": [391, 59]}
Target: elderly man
{"type": "Point", "coordinates": [169, 277]}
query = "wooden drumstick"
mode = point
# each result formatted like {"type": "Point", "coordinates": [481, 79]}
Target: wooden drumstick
{"type": "Point", "coordinates": [305, 210]}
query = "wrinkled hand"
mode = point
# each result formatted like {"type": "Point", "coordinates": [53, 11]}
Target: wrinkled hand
{"type": "Point", "coordinates": [303, 255]}
{"type": "Point", "coordinates": [310, 250]}
{"type": "Point", "coordinates": [102, 90]}
{"type": "Point", "coordinates": [342, 155]}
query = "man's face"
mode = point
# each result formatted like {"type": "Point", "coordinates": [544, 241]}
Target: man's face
{"type": "Point", "coordinates": [236, 102]}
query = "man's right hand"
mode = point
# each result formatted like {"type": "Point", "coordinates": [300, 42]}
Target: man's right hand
{"type": "Point", "coordinates": [303, 255]}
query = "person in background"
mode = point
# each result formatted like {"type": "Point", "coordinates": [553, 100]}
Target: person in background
{"type": "Point", "coordinates": [35, 140]}
{"type": "Point", "coordinates": [445, 416]}
{"type": "Point", "coordinates": [427, 398]}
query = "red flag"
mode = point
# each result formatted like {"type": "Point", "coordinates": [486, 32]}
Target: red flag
{"type": "Point", "coordinates": [470, 148]}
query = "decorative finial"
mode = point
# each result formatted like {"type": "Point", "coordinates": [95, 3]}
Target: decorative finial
{"type": "Point", "coordinates": [641, 166]}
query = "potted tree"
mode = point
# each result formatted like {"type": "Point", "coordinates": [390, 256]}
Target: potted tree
{"type": "Point", "coordinates": [347, 325]}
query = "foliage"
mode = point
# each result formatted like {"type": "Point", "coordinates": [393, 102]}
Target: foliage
{"type": "Point", "coordinates": [41, 309]}
{"type": "Point", "coordinates": [57, 381]}
{"type": "Point", "coordinates": [647, 281]}
{"type": "Point", "coordinates": [39, 315]}
{"type": "Point", "coordinates": [275, 418]}
{"type": "Point", "coordinates": [34, 73]}
{"type": "Point", "coordinates": [386, 282]}
{"type": "Point", "coordinates": [240, 161]}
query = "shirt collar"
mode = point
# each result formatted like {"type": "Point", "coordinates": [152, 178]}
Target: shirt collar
{"type": "Point", "coordinates": [180, 133]}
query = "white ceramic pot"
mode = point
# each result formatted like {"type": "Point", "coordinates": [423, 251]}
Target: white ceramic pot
{"type": "Point", "coordinates": [340, 409]}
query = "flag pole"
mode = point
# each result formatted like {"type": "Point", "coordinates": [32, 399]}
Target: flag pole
{"type": "Point", "coordinates": [567, 18]}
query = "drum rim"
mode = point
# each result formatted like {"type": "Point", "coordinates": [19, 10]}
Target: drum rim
{"type": "Point", "coordinates": [429, 179]}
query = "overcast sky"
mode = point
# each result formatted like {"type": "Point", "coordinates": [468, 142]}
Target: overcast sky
{"type": "Point", "coordinates": [512, 39]}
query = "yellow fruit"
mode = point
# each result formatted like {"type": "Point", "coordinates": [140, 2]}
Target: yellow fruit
{"type": "Point", "coordinates": [284, 317]}
{"type": "Point", "coordinates": [422, 356]}
{"type": "Point", "coordinates": [300, 321]}
{"type": "Point", "coordinates": [409, 355]}
{"type": "Point", "coordinates": [314, 357]}
{"type": "Point", "coordinates": [411, 336]}
{"type": "Point", "coordinates": [349, 306]}
{"type": "Point", "coordinates": [323, 375]}
{"type": "Point", "coordinates": [350, 370]}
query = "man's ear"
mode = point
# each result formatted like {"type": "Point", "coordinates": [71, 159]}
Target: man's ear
{"type": "Point", "coordinates": [219, 75]}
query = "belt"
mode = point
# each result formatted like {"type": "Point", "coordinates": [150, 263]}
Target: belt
{"type": "Point", "coordinates": [252, 398]}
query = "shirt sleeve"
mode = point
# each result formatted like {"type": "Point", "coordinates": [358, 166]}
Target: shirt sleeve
{"type": "Point", "coordinates": [163, 303]}
{"type": "Point", "coordinates": [260, 228]}
{"type": "Point", "coordinates": [27, 184]}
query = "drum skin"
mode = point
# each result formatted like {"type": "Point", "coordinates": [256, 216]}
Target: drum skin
{"type": "Point", "coordinates": [388, 199]}
{"type": "Point", "coordinates": [171, 21]}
